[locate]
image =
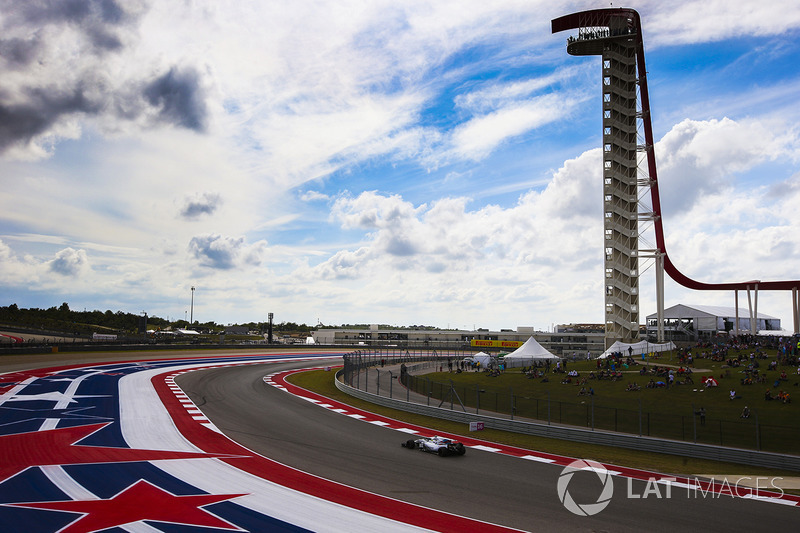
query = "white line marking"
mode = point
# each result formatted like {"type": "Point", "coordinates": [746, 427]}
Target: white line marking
{"type": "Point", "coordinates": [538, 459]}
{"type": "Point", "coordinates": [485, 448]}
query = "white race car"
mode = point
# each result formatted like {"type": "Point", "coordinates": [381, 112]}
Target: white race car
{"type": "Point", "coordinates": [438, 445]}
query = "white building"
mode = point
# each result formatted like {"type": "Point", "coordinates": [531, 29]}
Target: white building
{"type": "Point", "coordinates": [690, 322]}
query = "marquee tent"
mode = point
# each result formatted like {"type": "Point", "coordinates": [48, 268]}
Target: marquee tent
{"type": "Point", "coordinates": [637, 348]}
{"type": "Point", "coordinates": [481, 357]}
{"type": "Point", "coordinates": [774, 333]}
{"type": "Point", "coordinates": [529, 353]}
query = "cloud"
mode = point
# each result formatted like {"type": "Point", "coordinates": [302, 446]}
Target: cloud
{"type": "Point", "coordinates": [14, 271]}
{"type": "Point", "coordinates": [371, 211]}
{"type": "Point", "coordinates": [314, 196]}
{"type": "Point", "coordinates": [71, 63]}
{"type": "Point", "coordinates": [44, 273]}
{"type": "Point", "coordinates": [43, 108]}
{"type": "Point", "coordinates": [696, 158]}
{"type": "Point", "coordinates": [198, 205]}
{"type": "Point", "coordinates": [343, 264]}
{"type": "Point", "coordinates": [574, 191]}
{"type": "Point", "coordinates": [70, 263]}
{"type": "Point", "coordinates": [702, 21]}
{"type": "Point", "coordinates": [737, 235]}
{"type": "Point", "coordinates": [496, 95]}
{"type": "Point", "coordinates": [225, 253]}
{"type": "Point", "coordinates": [548, 247]}
{"type": "Point", "coordinates": [479, 136]}
{"type": "Point", "coordinates": [215, 251]}
{"type": "Point", "coordinates": [443, 244]}
{"type": "Point", "coordinates": [19, 53]}
{"type": "Point", "coordinates": [424, 111]}
{"type": "Point", "coordinates": [178, 98]}
{"type": "Point", "coordinates": [784, 189]}
{"type": "Point", "coordinates": [96, 19]}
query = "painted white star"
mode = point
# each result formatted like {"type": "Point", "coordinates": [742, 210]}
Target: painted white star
{"type": "Point", "coordinates": [58, 397]}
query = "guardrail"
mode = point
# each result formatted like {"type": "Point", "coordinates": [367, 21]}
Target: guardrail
{"type": "Point", "coordinates": [576, 434]}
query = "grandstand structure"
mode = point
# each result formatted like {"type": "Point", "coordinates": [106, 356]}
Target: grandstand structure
{"type": "Point", "coordinates": [615, 34]}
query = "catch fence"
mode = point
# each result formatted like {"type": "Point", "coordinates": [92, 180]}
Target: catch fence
{"type": "Point", "coordinates": [367, 371]}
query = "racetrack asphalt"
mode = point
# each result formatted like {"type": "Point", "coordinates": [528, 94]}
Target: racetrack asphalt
{"type": "Point", "coordinates": [486, 486]}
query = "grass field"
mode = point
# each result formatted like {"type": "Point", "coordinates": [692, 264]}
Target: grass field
{"type": "Point", "coordinates": [321, 382]}
{"type": "Point", "coordinates": [665, 412]}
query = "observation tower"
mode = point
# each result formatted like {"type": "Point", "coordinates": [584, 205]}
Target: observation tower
{"type": "Point", "coordinates": [611, 35]}
{"type": "Point", "coordinates": [615, 34]}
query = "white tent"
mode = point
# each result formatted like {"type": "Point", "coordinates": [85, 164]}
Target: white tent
{"type": "Point", "coordinates": [529, 353]}
{"type": "Point", "coordinates": [481, 357]}
{"type": "Point", "coordinates": [637, 348]}
{"type": "Point", "coordinates": [774, 333]}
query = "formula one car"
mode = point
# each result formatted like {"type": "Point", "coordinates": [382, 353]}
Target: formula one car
{"type": "Point", "coordinates": [439, 445]}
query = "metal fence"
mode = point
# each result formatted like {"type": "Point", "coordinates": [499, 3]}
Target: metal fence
{"type": "Point", "coordinates": [590, 413]}
{"type": "Point", "coordinates": [577, 434]}
{"type": "Point", "coordinates": [587, 413]}
{"type": "Point", "coordinates": [357, 362]}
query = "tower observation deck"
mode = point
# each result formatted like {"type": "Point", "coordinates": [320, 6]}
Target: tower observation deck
{"type": "Point", "coordinates": [615, 34]}
{"type": "Point", "coordinates": [613, 38]}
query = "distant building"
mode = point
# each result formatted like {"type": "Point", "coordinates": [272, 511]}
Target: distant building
{"type": "Point", "coordinates": [580, 328]}
{"type": "Point", "coordinates": [692, 322]}
{"type": "Point", "coordinates": [562, 344]}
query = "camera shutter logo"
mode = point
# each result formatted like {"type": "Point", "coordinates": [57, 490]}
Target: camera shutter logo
{"type": "Point", "coordinates": [586, 509]}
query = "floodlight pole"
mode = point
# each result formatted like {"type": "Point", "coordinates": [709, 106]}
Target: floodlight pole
{"type": "Point", "coordinates": [269, 330]}
{"type": "Point", "coordinates": [191, 314]}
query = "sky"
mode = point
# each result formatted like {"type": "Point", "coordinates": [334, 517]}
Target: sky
{"type": "Point", "coordinates": [394, 162]}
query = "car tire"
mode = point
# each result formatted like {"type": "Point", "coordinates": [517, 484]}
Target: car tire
{"type": "Point", "coordinates": [460, 449]}
{"type": "Point", "coordinates": [411, 444]}
{"type": "Point", "coordinates": [442, 452]}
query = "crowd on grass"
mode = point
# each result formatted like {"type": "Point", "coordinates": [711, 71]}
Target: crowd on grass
{"type": "Point", "coordinates": [743, 366]}
{"type": "Point", "coordinates": [742, 355]}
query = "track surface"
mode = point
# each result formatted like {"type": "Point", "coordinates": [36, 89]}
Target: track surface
{"type": "Point", "coordinates": [483, 485]}
{"type": "Point", "coordinates": [121, 447]}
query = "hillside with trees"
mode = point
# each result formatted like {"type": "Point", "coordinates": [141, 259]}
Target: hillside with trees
{"type": "Point", "coordinates": [62, 319]}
